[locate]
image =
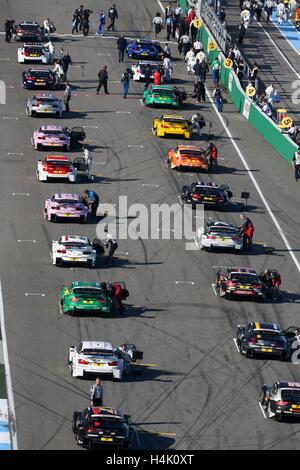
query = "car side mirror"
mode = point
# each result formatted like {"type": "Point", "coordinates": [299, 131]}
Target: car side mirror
{"type": "Point", "coordinates": [127, 419]}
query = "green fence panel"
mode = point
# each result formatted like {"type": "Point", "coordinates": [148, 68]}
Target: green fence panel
{"type": "Point", "coordinates": [285, 147]}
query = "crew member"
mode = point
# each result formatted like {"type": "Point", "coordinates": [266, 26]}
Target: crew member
{"type": "Point", "coordinates": [246, 230]}
{"type": "Point", "coordinates": [112, 244]}
{"type": "Point", "coordinates": [117, 297]}
{"type": "Point", "coordinates": [67, 96]}
{"type": "Point", "coordinates": [91, 199]}
{"type": "Point", "coordinates": [9, 27]}
{"type": "Point", "coordinates": [112, 15]}
{"type": "Point", "coordinates": [121, 45]}
{"type": "Point", "coordinates": [96, 393]}
{"type": "Point", "coordinates": [103, 78]}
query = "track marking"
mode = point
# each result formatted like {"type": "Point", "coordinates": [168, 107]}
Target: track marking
{"type": "Point", "coordinates": [150, 185]}
{"type": "Point", "coordinates": [10, 118]}
{"type": "Point", "coordinates": [280, 52]}
{"type": "Point", "coordinates": [257, 187]}
{"type": "Point", "coordinates": [185, 282]}
{"type": "Point", "coordinates": [5, 58]}
{"type": "Point", "coordinates": [99, 163]}
{"type": "Point", "coordinates": [148, 365]}
{"type": "Point", "coordinates": [236, 345]}
{"type": "Point", "coordinates": [136, 146]}
{"type": "Point", "coordinates": [214, 289]}
{"type": "Point", "coordinates": [141, 101]}
{"type": "Point", "coordinates": [161, 433]}
{"type": "Point", "coordinates": [123, 112]}
{"type": "Point", "coordinates": [34, 293]}
{"type": "Point", "coordinates": [137, 438]}
{"type": "Point", "coordinates": [121, 253]}
{"type": "Point", "coordinates": [32, 241]}
{"type": "Point", "coordinates": [90, 127]}
{"type": "Point", "coordinates": [60, 308]}
{"type": "Point", "coordinates": [104, 53]}
{"type": "Point", "coordinates": [10, 396]}
{"type": "Point", "coordinates": [20, 194]}
{"type": "Point", "coordinates": [262, 410]}
{"type": "Point", "coordinates": [15, 153]}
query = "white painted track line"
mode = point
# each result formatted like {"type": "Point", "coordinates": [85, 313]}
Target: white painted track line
{"type": "Point", "coordinates": [257, 187]}
{"type": "Point", "coordinates": [262, 410]}
{"type": "Point", "coordinates": [236, 345]}
{"type": "Point", "coordinates": [10, 395]}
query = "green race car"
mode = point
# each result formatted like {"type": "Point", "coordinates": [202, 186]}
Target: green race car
{"type": "Point", "coordinates": [84, 297]}
{"type": "Point", "coordinates": [164, 95]}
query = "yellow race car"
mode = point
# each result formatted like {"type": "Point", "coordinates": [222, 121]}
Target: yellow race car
{"type": "Point", "coordinates": [172, 124]}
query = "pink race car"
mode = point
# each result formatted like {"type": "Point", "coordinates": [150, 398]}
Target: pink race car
{"type": "Point", "coordinates": [51, 136]}
{"type": "Point", "coordinates": [65, 205]}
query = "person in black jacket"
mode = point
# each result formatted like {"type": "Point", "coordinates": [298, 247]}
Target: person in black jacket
{"type": "Point", "coordinates": [121, 45]}
{"type": "Point", "coordinates": [9, 27]}
{"type": "Point", "coordinates": [66, 61]}
{"type": "Point", "coordinates": [147, 76]}
{"type": "Point", "coordinates": [112, 15]}
{"type": "Point", "coordinates": [86, 21]}
{"type": "Point", "coordinates": [103, 78]}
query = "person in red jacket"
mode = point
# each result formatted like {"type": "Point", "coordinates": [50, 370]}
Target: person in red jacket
{"type": "Point", "coordinates": [116, 296]}
{"type": "Point", "coordinates": [191, 15]}
{"type": "Point", "coordinates": [247, 230]}
{"type": "Point", "coordinates": [157, 77]}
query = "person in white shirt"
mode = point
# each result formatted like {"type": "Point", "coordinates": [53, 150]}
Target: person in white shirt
{"type": "Point", "coordinates": [292, 7]}
{"type": "Point", "coordinates": [237, 53]}
{"type": "Point", "coordinates": [197, 46]}
{"type": "Point", "coordinates": [51, 49]}
{"type": "Point", "coordinates": [47, 27]}
{"type": "Point", "coordinates": [167, 67]}
{"type": "Point", "coordinates": [59, 71]}
{"type": "Point", "coordinates": [201, 56]}
{"type": "Point", "coordinates": [245, 18]}
{"type": "Point", "coordinates": [190, 61]}
{"type": "Point", "coordinates": [281, 12]}
{"type": "Point", "coordinates": [269, 91]}
{"type": "Point", "coordinates": [158, 23]}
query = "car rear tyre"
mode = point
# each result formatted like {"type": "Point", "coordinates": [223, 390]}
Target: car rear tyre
{"type": "Point", "coordinates": [39, 147]}
{"type": "Point", "coordinates": [53, 218]}
{"type": "Point", "coordinates": [82, 219]}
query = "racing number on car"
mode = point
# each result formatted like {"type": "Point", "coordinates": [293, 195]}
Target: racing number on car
{"type": "Point", "coordinates": [228, 64]}
{"type": "Point", "coordinates": [287, 122]}
{"type": "Point", "coordinates": [197, 23]}
{"type": "Point", "coordinates": [250, 91]}
{"type": "Point", "coordinates": [212, 46]}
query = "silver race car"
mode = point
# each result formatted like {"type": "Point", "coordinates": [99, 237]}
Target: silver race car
{"type": "Point", "coordinates": [219, 235]}
{"type": "Point", "coordinates": [44, 104]}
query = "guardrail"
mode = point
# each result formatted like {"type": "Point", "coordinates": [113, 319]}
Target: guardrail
{"type": "Point", "coordinates": [264, 125]}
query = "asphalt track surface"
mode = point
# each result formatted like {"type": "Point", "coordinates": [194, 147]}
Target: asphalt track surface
{"type": "Point", "coordinates": [202, 392]}
{"type": "Point", "coordinates": [272, 67]}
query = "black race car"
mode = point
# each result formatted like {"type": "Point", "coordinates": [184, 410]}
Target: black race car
{"type": "Point", "coordinates": [281, 400]}
{"type": "Point", "coordinates": [266, 339]}
{"type": "Point", "coordinates": [102, 426]}
{"type": "Point", "coordinates": [38, 78]}
{"type": "Point", "coordinates": [241, 282]}
{"type": "Point", "coordinates": [28, 30]}
{"type": "Point", "coordinates": [207, 193]}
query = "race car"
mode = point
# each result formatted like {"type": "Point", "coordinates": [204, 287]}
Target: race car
{"type": "Point", "coordinates": [172, 124]}
{"type": "Point", "coordinates": [144, 49]}
{"type": "Point", "coordinates": [219, 235]}
{"type": "Point", "coordinates": [44, 104]}
{"type": "Point", "coordinates": [60, 206]}
{"type": "Point", "coordinates": [28, 30]}
{"type": "Point", "coordinates": [263, 338]}
{"type": "Point", "coordinates": [99, 357]}
{"type": "Point", "coordinates": [33, 53]}
{"type": "Point", "coordinates": [101, 426]}
{"type": "Point", "coordinates": [138, 69]}
{"type": "Point", "coordinates": [57, 136]}
{"type": "Point", "coordinates": [281, 400]}
{"type": "Point", "coordinates": [187, 156]}
{"type": "Point", "coordinates": [207, 193]}
{"type": "Point", "coordinates": [76, 249]}
{"type": "Point", "coordinates": [56, 166]}
{"type": "Point", "coordinates": [164, 95]}
{"type": "Point", "coordinates": [235, 281]}
{"type": "Point", "coordinates": [35, 78]}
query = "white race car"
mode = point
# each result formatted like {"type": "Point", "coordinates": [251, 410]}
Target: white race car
{"type": "Point", "coordinates": [75, 249]}
{"type": "Point", "coordinates": [138, 69]}
{"type": "Point", "coordinates": [219, 235]}
{"type": "Point", "coordinates": [96, 357]}
{"type": "Point", "coordinates": [56, 166]}
{"type": "Point", "coordinates": [33, 53]}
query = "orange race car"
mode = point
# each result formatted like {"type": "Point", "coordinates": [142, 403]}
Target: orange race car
{"type": "Point", "coordinates": [187, 156]}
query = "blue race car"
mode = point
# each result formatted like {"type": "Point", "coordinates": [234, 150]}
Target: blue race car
{"type": "Point", "coordinates": [144, 49]}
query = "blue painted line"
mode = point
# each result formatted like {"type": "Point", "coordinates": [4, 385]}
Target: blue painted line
{"type": "Point", "coordinates": [4, 426]}
{"type": "Point", "coordinates": [289, 31]}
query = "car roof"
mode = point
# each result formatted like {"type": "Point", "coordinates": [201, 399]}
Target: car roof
{"type": "Point", "coordinates": [74, 238]}
{"type": "Point", "coordinates": [45, 95]}
{"type": "Point", "coordinates": [29, 22]}
{"type": "Point", "coordinates": [150, 62]}
{"type": "Point", "coordinates": [219, 224]}
{"type": "Point", "coordinates": [67, 196]}
{"type": "Point", "coordinates": [56, 158]}
{"type": "Point", "coordinates": [144, 41]}
{"type": "Point", "coordinates": [97, 345]}
{"type": "Point", "coordinates": [266, 326]}
{"type": "Point", "coordinates": [174, 116]}
{"type": "Point", "coordinates": [32, 44]}
{"type": "Point", "coordinates": [291, 385]}
{"type": "Point", "coordinates": [86, 284]}
{"type": "Point", "coordinates": [106, 411]}
{"type": "Point", "coordinates": [239, 270]}
{"type": "Point", "coordinates": [207, 184]}
{"type": "Point", "coordinates": [163, 87]}
{"type": "Point", "coordinates": [190, 147]}
{"type": "Point", "coordinates": [52, 128]}
{"type": "Point", "coordinates": [40, 69]}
